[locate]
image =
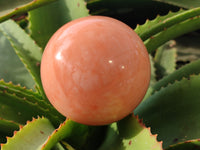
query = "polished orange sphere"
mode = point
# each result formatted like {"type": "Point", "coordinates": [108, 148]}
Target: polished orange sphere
{"type": "Point", "coordinates": [95, 70]}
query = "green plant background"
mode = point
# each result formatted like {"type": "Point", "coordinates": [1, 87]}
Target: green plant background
{"type": "Point", "coordinates": [167, 118]}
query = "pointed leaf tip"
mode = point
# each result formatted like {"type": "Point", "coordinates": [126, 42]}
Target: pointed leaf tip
{"type": "Point", "coordinates": [130, 133]}
{"type": "Point", "coordinates": [35, 132]}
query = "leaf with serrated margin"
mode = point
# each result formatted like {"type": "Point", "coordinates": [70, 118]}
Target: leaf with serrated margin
{"type": "Point", "coordinates": [185, 71]}
{"type": "Point", "coordinates": [10, 8]}
{"type": "Point", "coordinates": [79, 136]}
{"type": "Point", "coordinates": [12, 69]}
{"type": "Point", "coordinates": [151, 28]}
{"type": "Point", "coordinates": [20, 109]}
{"type": "Point", "coordinates": [7, 128]}
{"type": "Point", "coordinates": [187, 145]}
{"type": "Point", "coordinates": [142, 29]}
{"type": "Point", "coordinates": [172, 32]}
{"type": "Point", "coordinates": [173, 112]}
{"type": "Point", "coordinates": [31, 136]}
{"type": "Point", "coordinates": [42, 26]}
{"type": "Point", "coordinates": [28, 95]}
{"type": "Point", "coordinates": [29, 53]}
{"type": "Point", "coordinates": [165, 59]}
{"type": "Point", "coordinates": [153, 78]}
{"type": "Point", "coordinates": [129, 134]}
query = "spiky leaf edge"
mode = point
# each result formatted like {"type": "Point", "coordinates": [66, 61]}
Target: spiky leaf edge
{"type": "Point", "coordinates": [18, 140]}
{"type": "Point", "coordinates": [55, 119]}
{"type": "Point", "coordinates": [23, 9]}
{"type": "Point", "coordinates": [161, 23]}
{"type": "Point", "coordinates": [30, 56]}
{"type": "Point", "coordinates": [138, 111]}
{"type": "Point", "coordinates": [28, 95]}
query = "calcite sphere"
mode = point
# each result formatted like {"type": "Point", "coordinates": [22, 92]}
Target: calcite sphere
{"type": "Point", "coordinates": [95, 70]}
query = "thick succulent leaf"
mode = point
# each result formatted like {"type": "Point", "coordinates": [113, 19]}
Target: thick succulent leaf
{"type": "Point", "coordinates": [153, 71]}
{"type": "Point", "coordinates": [18, 90]}
{"type": "Point", "coordinates": [172, 32]}
{"type": "Point", "coordinates": [185, 71]}
{"type": "Point", "coordinates": [74, 133]}
{"type": "Point", "coordinates": [129, 134]}
{"type": "Point", "coordinates": [28, 95]}
{"type": "Point", "coordinates": [14, 71]}
{"type": "Point", "coordinates": [173, 112]}
{"type": "Point", "coordinates": [153, 78]}
{"type": "Point", "coordinates": [165, 59]}
{"type": "Point", "coordinates": [159, 24]}
{"type": "Point", "coordinates": [31, 136]}
{"type": "Point", "coordinates": [20, 109]}
{"type": "Point", "coordinates": [187, 145]}
{"type": "Point", "coordinates": [42, 26]}
{"type": "Point", "coordinates": [7, 128]}
{"type": "Point", "coordinates": [10, 8]}
{"type": "Point", "coordinates": [182, 3]}
{"type": "Point", "coordinates": [79, 136]}
{"type": "Point", "coordinates": [29, 53]}
{"type": "Point", "coordinates": [143, 29]}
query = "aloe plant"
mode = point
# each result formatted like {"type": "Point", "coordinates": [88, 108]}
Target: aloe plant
{"type": "Point", "coordinates": [167, 118]}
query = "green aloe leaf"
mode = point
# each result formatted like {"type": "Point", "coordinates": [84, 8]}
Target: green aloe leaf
{"type": "Point", "coordinates": [79, 136]}
{"type": "Point", "coordinates": [12, 69]}
{"type": "Point", "coordinates": [129, 134]}
{"type": "Point", "coordinates": [162, 29]}
{"type": "Point", "coordinates": [31, 136]}
{"type": "Point", "coordinates": [165, 59]}
{"type": "Point", "coordinates": [68, 130]}
{"type": "Point", "coordinates": [44, 22]}
{"type": "Point", "coordinates": [173, 112]}
{"type": "Point", "coordinates": [182, 3]}
{"type": "Point", "coordinates": [18, 108]}
{"type": "Point", "coordinates": [159, 24]}
{"type": "Point", "coordinates": [19, 105]}
{"type": "Point", "coordinates": [29, 53]}
{"type": "Point", "coordinates": [187, 145]}
{"type": "Point", "coordinates": [18, 90]}
{"type": "Point", "coordinates": [28, 95]}
{"type": "Point", "coordinates": [153, 71]}
{"type": "Point", "coordinates": [185, 71]}
{"type": "Point", "coordinates": [153, 78]}
{"type": "Point", "coordinates": [7, 128]}
{"type": "Point", "coordinates": [149, 28]}
{"type": "Point", "coordinates": [172, 32]}
{"type": "Point", "coordinates": [10, 8]}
